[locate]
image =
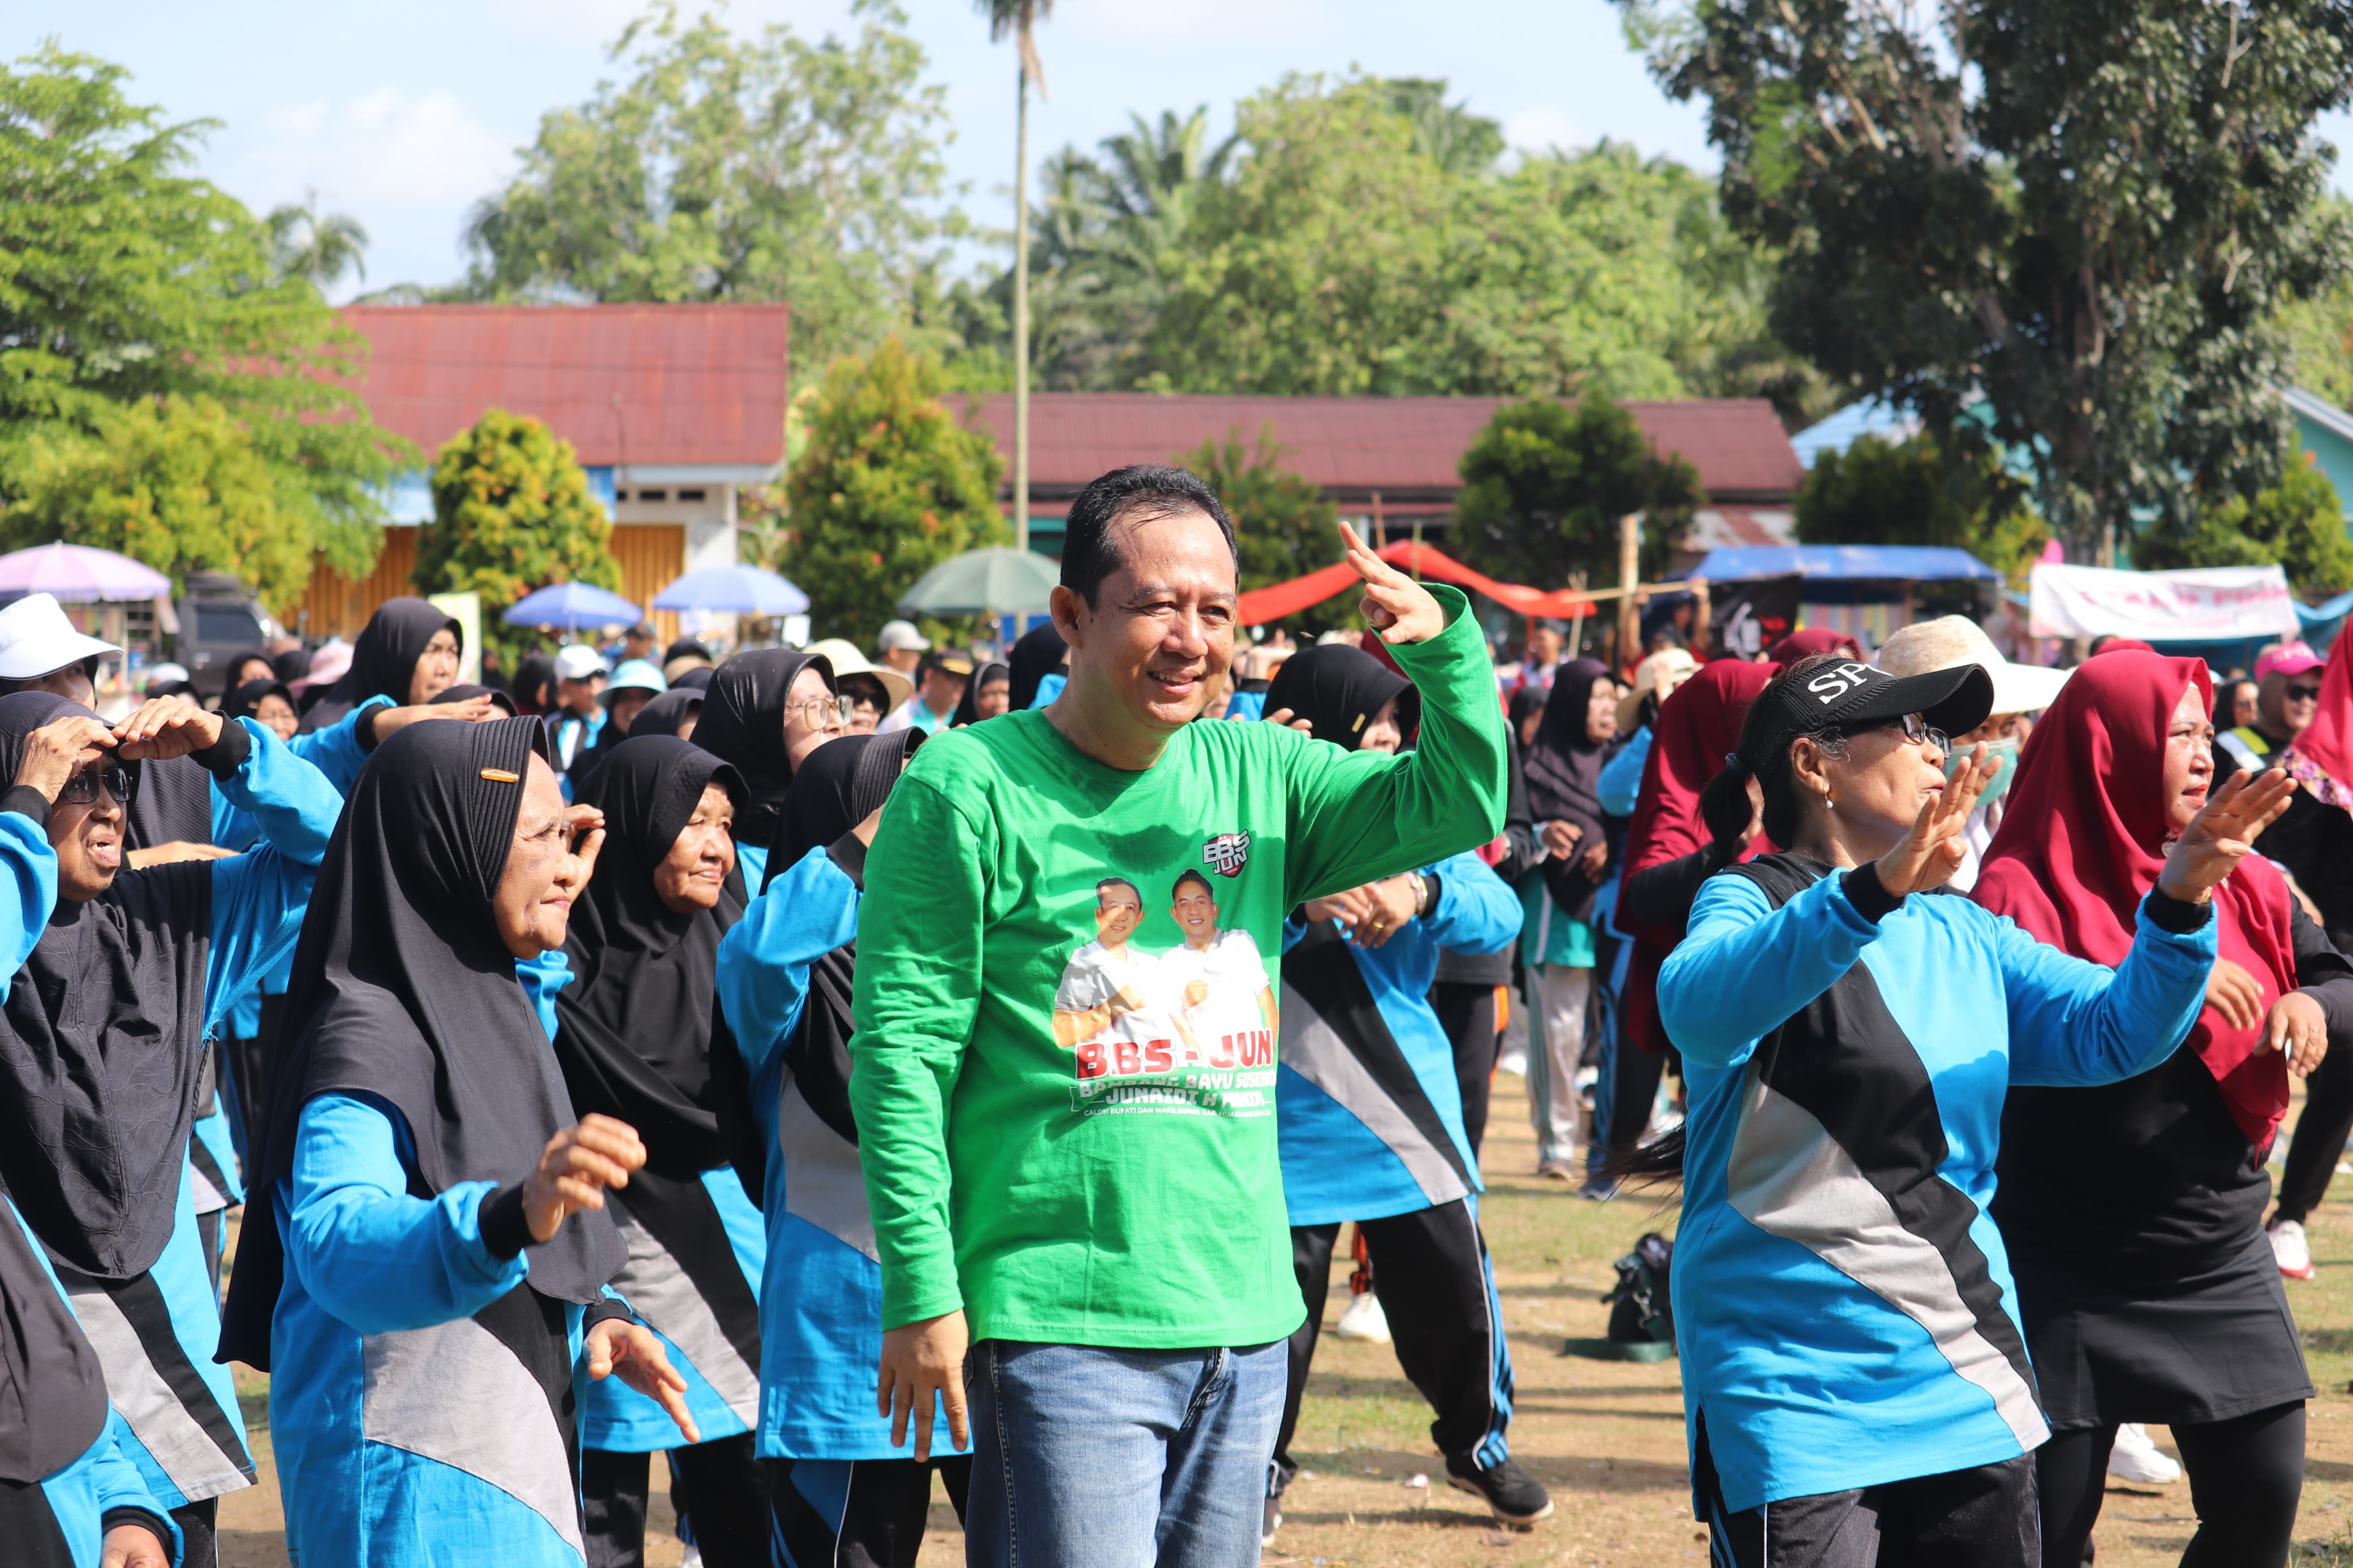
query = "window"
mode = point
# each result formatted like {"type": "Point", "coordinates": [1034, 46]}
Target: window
{"type": "Point", "coordinates": [653, 495]}
{"type": "Point", "coordinates": [226, 624]}
{"type": "Point", "coordinates": [619, 496]}
{"type": "Point", "coordinates": [690, 495]}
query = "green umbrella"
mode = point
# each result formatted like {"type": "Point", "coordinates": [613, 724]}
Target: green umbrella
{"type": "Point", "coordinates": [983, 583]}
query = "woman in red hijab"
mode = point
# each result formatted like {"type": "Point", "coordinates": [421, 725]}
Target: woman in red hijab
{"type": "Point", "coordinates": [2133, 1212]}
{"type": "Point", "coordinates": [1667, 854]}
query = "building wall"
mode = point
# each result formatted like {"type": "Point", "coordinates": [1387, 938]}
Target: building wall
{"type": "Point", "coordinates": [2332, 455]}
{"type": "Point", "coordinates": [337, 605]}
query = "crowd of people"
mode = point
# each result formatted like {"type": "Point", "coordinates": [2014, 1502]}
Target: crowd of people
{"type": "Point", "coordinates": [846, 1077]}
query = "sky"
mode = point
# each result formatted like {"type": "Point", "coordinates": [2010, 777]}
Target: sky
{"type": "Point", "coordinates": [403, 117]}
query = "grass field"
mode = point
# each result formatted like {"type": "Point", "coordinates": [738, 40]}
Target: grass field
{"type": "Point", "coordinates": [1606, 1436]}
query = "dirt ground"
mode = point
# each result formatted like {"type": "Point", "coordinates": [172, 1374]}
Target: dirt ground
{"type": "Point", "coordinates": [1606, 1436]}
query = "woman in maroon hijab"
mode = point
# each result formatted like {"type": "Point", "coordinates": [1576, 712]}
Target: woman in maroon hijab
{"type": "Point", "coordinates": [2133, 1212]}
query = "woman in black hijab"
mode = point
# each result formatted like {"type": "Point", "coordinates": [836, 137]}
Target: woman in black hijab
{"type": "Point", "coordinates": [426, 1249]}
{"type": "Point", "coordinates": [784, 985]}
{"type": "Point", "coordinates": [634, 1036]}
{"type": "Point", "coordinates": [765, 712]}
{"type": "Point", "coordinates": [674, 713]}
{"type": "Point", "coordinates": [1343, 694]}
{"type": "Point", "coordinates": [1563, 768]}
{"type": "Point", "coordinates": [533, 686]}
{"type": "Point", "coordinates": [986, 696]}
{"type": "Point", "coordinates": [251, 665]}
{"type": "Point", "coordinates": [1037, 653]}
{"type": "Point", "coordinates": [478, 697]}
{"type": "Point", "coordinates": [267, 701]}
{"type": "Point", "coordinates": [102, 1054]}
{"type": "Point", "coordinates": [409, 652]}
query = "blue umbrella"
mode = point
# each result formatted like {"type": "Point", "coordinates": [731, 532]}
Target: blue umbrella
{"type": "Point", "coordinates": [746, 589]}
{"type": "Point", "coordinates": [572, 605]}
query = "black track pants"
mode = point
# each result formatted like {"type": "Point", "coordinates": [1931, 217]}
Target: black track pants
{"type": "Point", "coordinates": [1432, 1274]}
{"type": "Point", "coordinates": [857, 1513]}
{"type": "Point", "coordinates": [716, 1487]}
{"type": "Point", "coordinates": [2319, 1141]}
{"type": "Point", "coordinates": [2246, 1476]}
{"type": "Point", "coordinates": [1467, 1012]}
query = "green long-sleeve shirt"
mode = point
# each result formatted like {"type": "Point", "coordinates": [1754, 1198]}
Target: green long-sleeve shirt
{"type": "Point", "coordinates": [1065, 1100]}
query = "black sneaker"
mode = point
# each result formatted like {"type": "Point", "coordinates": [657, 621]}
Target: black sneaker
{"type": "Point", "coordinates": [1273, 1523]}
{"type": "Point", "coordinates": [1516, 1496]}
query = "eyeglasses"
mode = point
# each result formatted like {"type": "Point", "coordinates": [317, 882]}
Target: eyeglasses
{"type": "Point", "coordinates": [818, 710]}
{"type": "Point", "coordinates": [2303, 694]}
{"type": "Point", "coordinates": [83, 787]}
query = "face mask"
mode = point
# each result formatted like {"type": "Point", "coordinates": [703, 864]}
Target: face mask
{"type": "Point", "coordinates": [2000, 783]}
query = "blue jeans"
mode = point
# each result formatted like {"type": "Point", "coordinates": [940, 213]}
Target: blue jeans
{"type": "Point", "coordinates": [1091, 1457]}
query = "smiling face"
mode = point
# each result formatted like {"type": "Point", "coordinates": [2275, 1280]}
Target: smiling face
{"type": "Point", "coordinates": [88, 839]}
{"type": "Point", "coordinates": [1118, 909]}
{"type": "Point", "coordinates": [2189, 759]}
{"type": "Point", "coordinates": [532, 902]}
{"type": "Point", "coordinates": [690, 876]}
{"type": "Point", "coordinates": [278, 716]}
{"type": "Point", "coordinates": [1195, 913]}
{"type": "Point", "coordinates": [436, 668]}
{"type": "Point", "coordinates": [1160, 634]}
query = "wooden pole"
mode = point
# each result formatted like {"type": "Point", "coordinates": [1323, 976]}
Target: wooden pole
{"type": "Point", "coordinates": [1380, 526]}
{"type": "Point", "coordinates": [1629, 568]}
{"type": "Point", "coordinates": [1416, 547]}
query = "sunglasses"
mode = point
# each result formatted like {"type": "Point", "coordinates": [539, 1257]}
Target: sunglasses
{"type": "Point", "coordinates": [2303, 694]}
{"type": "Point", "coordinates": [1915, 730]}
{"type": "Point", "coordinates": [83, 787]}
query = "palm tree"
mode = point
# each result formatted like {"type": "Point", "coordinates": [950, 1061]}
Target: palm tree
{"type": "Point", "coordinates": [322, 247]}
{"type": "Point", "coordinates": [1019, 18]}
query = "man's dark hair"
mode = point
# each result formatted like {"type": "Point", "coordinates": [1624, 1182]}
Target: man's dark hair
{"type": "Point", "coordinates": [1118, 882]}
{"type": "Point", "coordinates": [1139, 492]}
{"type": "Point", "coordinates": [1176, 889]}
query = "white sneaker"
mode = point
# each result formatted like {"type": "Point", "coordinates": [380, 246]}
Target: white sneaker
{"type": "Point", "coordinates": [1364, 1321]}
{"type": "Point", "coordinates": [2135, 1458]}
{"type": "Point", "coordinates": [1514, 1060]}
{"type": "Point", "coordinates": [2289, 1248]}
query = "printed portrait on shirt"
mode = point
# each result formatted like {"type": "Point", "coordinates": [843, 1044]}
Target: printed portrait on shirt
{"type": "Point", "coordinates": [1182, 1021]}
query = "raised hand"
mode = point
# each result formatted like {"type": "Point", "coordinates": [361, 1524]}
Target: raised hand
{"type": "Point", "coordinates": [1283, 716]}
{"type": "Point", "coordinates": [2297, 1026]}
{"type": "Point", "coordinates": [164, 727]}
{"type": "Point", "coordinates": [575, 1168]}
{"type": "Point", "coordinates": [56, 751]}
{"type": "Point", "coordinates": [584, 827]}
{"type": "Point", "coordinates": [2210, 848]}
{"type": "Point", "coordinates": [1931, 849]}
{"type": "Point", "coordinates": [616, 1345]}
{"type": "Point", "coordinates": [1394, 604]}
{"type": "Point", "coordinates": [390, 721]}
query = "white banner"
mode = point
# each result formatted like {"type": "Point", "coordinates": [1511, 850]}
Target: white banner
{"type": "Point", "coordinates": [2215, 603]}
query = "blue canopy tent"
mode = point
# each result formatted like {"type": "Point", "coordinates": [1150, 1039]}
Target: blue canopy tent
{"type": "Point", "coordinates": [1760, 593]}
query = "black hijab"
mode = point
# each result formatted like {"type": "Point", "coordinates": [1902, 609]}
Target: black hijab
{"type": "Point", "coordinates": [292, 666]}
{"type": "Point", "coordinates": [403, 990]}
{"type": "Point", "coordinates": [499, 698]}
{"type": "Point", "coordinates": [384, 658]}
{"type": "Point", "coordinates": [173, 805]}
{"type": "Point", "coordinates": [836, 791]}
{"type": "Point", "coordinates": [666, 712]}
{"type": "Point", "coordinates": [534, 679]}
{"type": "Point", "coordinates": [968, 708]}
{"type": "Point", "coordinates": [52, 1388]}
{"type": "Point", "coordinates": [634, 1030]}
{"type": "Point", "coordinates": [101, 1047]}
{"type": "Point", "coordinates": [1340, 690]}
{"type": "Point", "coordinates": [241, 702]}
{"type": "Point", "coordinates": [251, 655]}
{"type": "Point", "coordinates": [1564, 775]}
{"type": "Point", "coordinates": [743, 723]}
{"type": "Point", "coordinates": [695, 679]}
{"type": "Point", "coordinates": [1036, 655]}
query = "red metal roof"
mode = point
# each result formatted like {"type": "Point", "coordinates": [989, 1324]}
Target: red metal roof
{"type": "Point", "coordinates": [669, 385]}
{"type": "Point", "coordinates": [1403, 448]}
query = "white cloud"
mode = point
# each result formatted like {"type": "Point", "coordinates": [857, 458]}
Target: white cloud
{"type": "Point", "coordinates": [1542, 129]}
{"type": "Point", "coordinates": [385, 148]}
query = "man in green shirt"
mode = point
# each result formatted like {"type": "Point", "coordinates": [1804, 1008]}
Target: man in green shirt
{"type": "Point", "coordinates": [1100, 1221]}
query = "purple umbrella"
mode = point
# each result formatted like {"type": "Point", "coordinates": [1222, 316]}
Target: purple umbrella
{"type": "Point", "coordinates": [78, 574]}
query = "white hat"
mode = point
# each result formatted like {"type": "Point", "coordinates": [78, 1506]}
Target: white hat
{"type": "Point", "coordinates": [1669, 663]}
{"type": "Point", "coordinates": [579, 661]}
{"type": "Point", "coordinates": [1950, 640]}
{"type": "Point", "coordinates": [36, 640]}
{"type": "Point", "coordinates": [166, 674]}
{"type": "Point", "coordinates": [846, 660]}
{"type": "Point", "coordinates": [897, 635]}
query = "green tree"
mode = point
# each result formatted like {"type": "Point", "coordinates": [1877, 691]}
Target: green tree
{"type": "Point", "coordinates": [2086, 211]}
{"type": "Point", "coordinates": [889, 485]}
{"type": "Point", "coordinates": [1285, 526]}
{"type": "Point", "coordinates": [511, 512]}
{"type": "Point", "coordinates": [172, 481]}
{"type": "Point", "coordinates": [147, 338]}
{"type": "Point", "coordinates": [1544, 485]}
{"type": "Point", "coordinates": [321, 247]}
{"type": "Point", "coordinates": [758, 168]}
{"type": "Point", "coordinates": [1916, 492]}
{"type": "Point", "coordinates": [2298, 523]}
